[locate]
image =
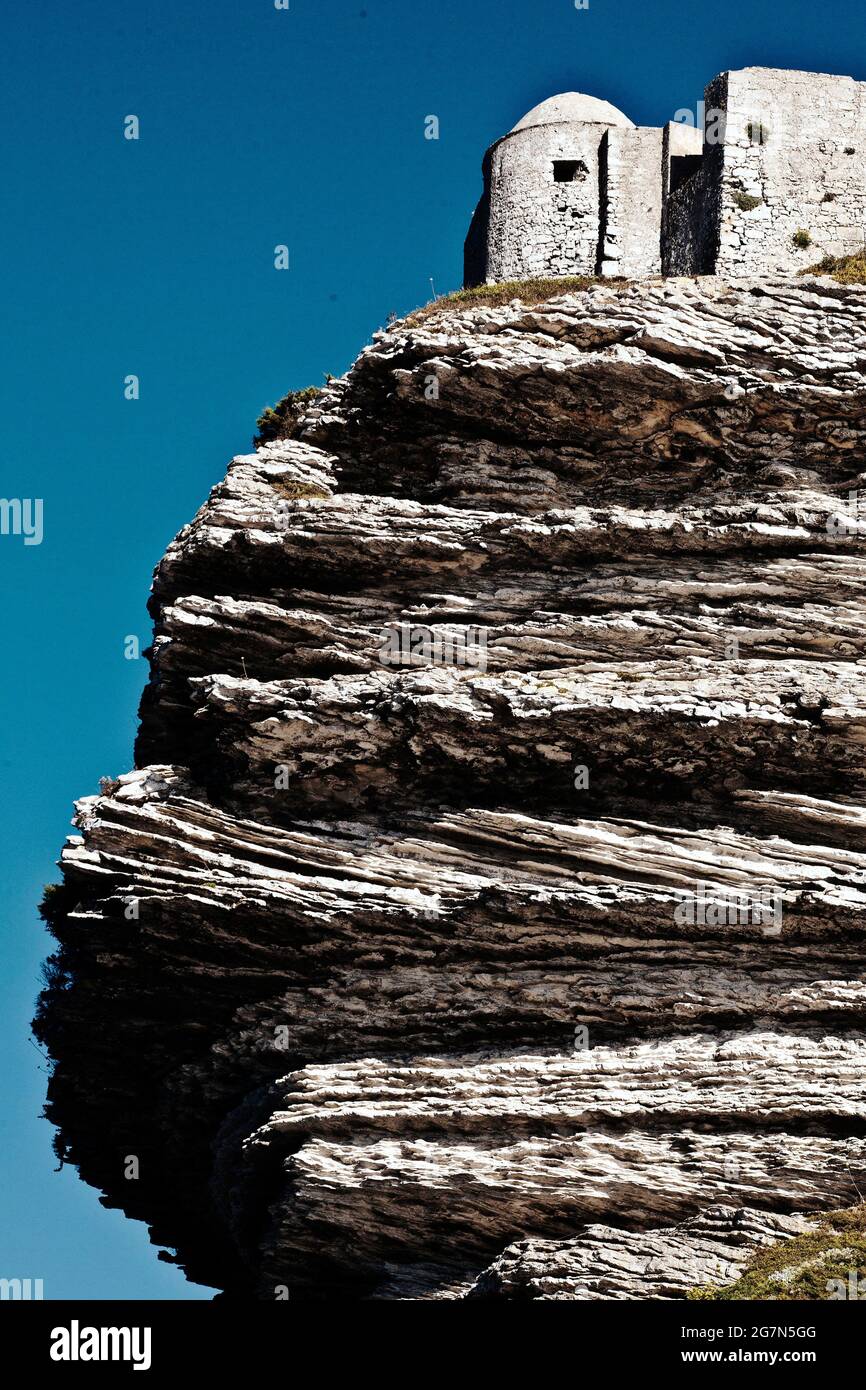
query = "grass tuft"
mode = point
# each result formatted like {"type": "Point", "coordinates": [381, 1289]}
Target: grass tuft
{"type": "Point", "coordinates": [279, 421]}
{"type": "Point", "coordinates": [492, 296]}
{"type": "Point", "coordinates": [804, 1267]}
{"type": "Point", "coordinates": [293, 490]}
{"type": "Point", "coordinates": [848, 270]}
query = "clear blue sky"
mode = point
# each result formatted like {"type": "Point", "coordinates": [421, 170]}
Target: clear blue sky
{"type": "Point", "coordinates": [155, 257]}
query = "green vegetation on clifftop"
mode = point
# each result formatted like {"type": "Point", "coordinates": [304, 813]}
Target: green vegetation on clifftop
{"type": "Point", "coordinates": [804, 1267]}
{"type": "Point", "coordinates": [848, 270]}
{"type": "Point", "coordinates": [527, 291]}
{"type": "Point", "coordinates": [279, 421]}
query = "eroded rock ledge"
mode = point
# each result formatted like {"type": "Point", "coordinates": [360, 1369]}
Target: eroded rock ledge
{"type": "Point", "coordinates": [405, 980]}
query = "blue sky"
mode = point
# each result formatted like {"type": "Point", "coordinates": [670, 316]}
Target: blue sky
{"type": "Point", "coordinates": [258, 127]}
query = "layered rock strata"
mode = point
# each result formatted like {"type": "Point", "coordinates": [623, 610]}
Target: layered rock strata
{"type": "Point", "coordinates": [523, 958]}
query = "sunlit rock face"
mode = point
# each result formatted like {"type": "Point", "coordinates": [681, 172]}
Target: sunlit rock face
{"type": "Point", "coordinates": [485, 915]}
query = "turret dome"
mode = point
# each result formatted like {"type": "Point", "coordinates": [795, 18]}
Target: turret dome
{"type": "Point", "coordinates": [573, 106]}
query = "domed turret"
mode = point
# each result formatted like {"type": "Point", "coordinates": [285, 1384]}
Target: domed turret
{"type": "Point", "coordinates": [541, 210]}
{"type": "Point", "coordinates": [573, 106]}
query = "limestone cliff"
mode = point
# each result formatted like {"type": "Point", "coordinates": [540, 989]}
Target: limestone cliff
{"type": "Point", "coordinates": [535, 972]}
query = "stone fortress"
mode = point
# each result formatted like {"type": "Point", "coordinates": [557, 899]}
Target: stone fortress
{"type": "Point", "coordinates": [772, 178]}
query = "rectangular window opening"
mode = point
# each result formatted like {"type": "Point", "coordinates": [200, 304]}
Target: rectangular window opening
{"type": "Point", "coordinates": [568, 170]}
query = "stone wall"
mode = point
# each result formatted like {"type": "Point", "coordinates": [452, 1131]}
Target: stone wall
{"type": "Point", "coordinates": [682, 151]}
{"type": "Point", "coordinates": [691, 210]}
{"type": "Point", "coordinates": [631, 204]}
{"type": "Point", "coordinates": [685, 236]}
{"type": "Point", "coordinates": [796, 141]}
{"type": "Point", "coordinates": [774, 181]}
{"type": "Point", "coordinates": [539, 227]}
